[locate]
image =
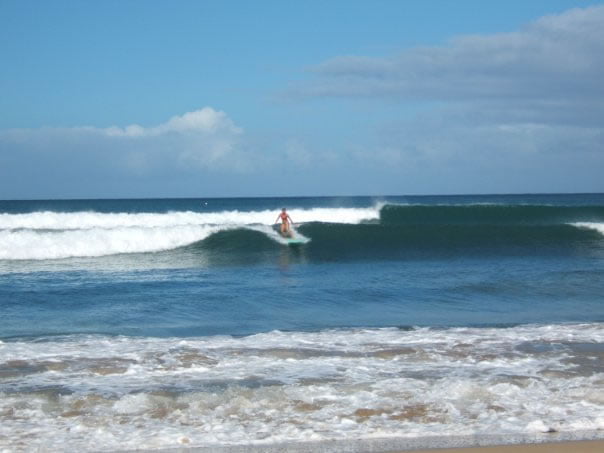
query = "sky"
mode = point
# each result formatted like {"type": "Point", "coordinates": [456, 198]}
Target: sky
{"type": "Point", "coordinates": [154, 98]}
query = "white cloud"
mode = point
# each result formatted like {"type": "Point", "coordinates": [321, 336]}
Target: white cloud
{"type": "Point", "coordinates": [529, 101]}
{"type": "Point", "coordinates": [202, 139]}
{"type": "Point", "coordinates": [204, 122]}
{"type": "Point", "coordinates": [555, 58]}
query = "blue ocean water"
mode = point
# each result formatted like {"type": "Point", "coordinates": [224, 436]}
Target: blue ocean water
{"type": "Point", "coordinates": [105, 303]}
{"type": "Point", "coordinates": [414, 261]}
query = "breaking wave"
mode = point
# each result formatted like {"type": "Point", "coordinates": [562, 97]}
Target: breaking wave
{"type": "Point", "coordinates": [329, 232]}
{"type": "Point", "coordinates": [54, 235]}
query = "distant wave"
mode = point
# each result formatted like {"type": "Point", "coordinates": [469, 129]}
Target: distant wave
{"type": "Point", "coordinates": [335, 232]}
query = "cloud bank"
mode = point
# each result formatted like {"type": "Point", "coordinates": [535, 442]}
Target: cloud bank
{"type": "Point", "coordinates": [529, 103]}
{"type": "Point", "coordinates": [80, 158]}
{"type": "Point", "coordinates": [204, 138]}
{"type": "Point", "coordinates": [555, 59]}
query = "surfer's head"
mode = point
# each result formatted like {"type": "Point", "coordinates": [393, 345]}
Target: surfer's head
{"type": "Point", "coordinates": [282, 209]}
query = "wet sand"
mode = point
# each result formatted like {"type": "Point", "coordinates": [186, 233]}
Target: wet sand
{"type": "Point", "coordinates": [596, 446]}
{"type": "Point", "coordinates": [400, 446]}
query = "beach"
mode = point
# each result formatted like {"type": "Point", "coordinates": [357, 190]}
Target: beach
{"type": "Point", "coordinates": [560, 447]}
{"type": "Point", "coordinates": [394, 446]}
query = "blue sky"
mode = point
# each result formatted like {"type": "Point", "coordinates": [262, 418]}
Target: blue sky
{"type": "Point", "coordinates": [269, 98]}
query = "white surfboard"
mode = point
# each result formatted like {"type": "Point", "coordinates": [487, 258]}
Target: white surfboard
{"type": "Point", "coordinates": [295, 241]}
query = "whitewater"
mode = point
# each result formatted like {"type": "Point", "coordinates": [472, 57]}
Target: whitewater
{"type": "Point", "coordinates": [275, 387]}
{"type": "Point", "coordinates": [55, 235]}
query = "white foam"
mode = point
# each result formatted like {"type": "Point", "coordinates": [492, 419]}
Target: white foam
{"type": "Point", "coordinates": [599, 227]}
{"type": "Point", "coordinates": [52, 235]}
{"type": "Point", "coordinates": [128, 393]}
{"type": "Point", "coordinates": [36, 245]}
{"type": "Point", "coordinates": [48, 220]}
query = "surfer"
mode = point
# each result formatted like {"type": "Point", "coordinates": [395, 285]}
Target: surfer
{"type": "Point", "coordinates": [286, 221]}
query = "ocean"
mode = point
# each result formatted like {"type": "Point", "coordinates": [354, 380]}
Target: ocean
{"type": "Point", "coordinates": [162, 323]}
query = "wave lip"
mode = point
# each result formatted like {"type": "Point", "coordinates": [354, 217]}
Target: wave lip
{"type": "Point", "coordinates": [599, 227]}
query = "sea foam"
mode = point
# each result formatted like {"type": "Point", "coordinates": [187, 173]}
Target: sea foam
{"type": "Point", "coordinates": [599, 227]}
{"type": "Point", "coordinates": [293, 386]}
{"type": "Point", "coordinates": [49, 220]}
{"type": "Point", "coordinates": [53, 235]}
{"type": "Point", "coordinates": [40, 245]}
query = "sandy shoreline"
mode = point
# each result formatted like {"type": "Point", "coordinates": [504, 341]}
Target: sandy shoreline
{"type": "Point", "coordinates": [586, 446]}
{"type": "Point", "coordinates": [593, 446]}
{"type": "Point", "coordinates": [577, 442]}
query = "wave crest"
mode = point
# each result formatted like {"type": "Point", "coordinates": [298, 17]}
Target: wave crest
{"type": "Point", "coordinates": [389, 228]}
{"type": "Point", "coordinates": [55, 235]}
{"type": "Point", "coordinates": [89, 219]}
{"type": "Point", "coordinates": [92, 242]}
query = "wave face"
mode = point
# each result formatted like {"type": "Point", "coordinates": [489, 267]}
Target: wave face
{"type": "Point", "coordinates": [330, 233]}
{"type": "Point", "coordinates": [489, 214]}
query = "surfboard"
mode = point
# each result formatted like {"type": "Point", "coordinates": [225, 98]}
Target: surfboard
{"type": "Point", "coordinates": [295, 241]}
{"type": "Point", "coordinates": [291, 240]}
